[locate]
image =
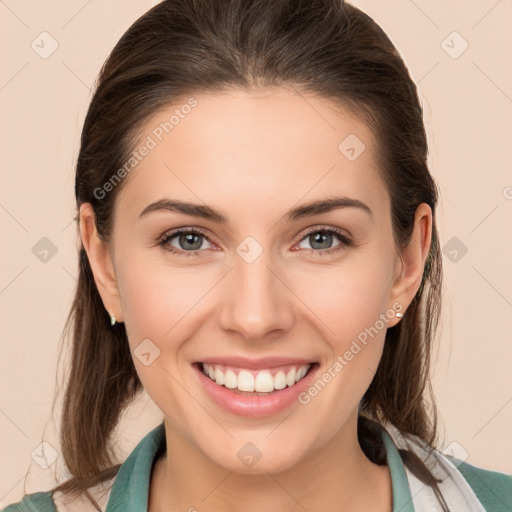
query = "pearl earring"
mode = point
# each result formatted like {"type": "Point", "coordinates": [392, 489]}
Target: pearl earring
{"type": "Point", "coordinates": [112, 319]}
{"type": "Point", "coordinates": [399, 315]}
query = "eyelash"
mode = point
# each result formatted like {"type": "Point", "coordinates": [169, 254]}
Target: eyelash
{"type": "Point", "coordinates": [345, 241]}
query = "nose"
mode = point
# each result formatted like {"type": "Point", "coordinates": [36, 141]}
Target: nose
{"type": "Point", "coordinates": [257, 302]}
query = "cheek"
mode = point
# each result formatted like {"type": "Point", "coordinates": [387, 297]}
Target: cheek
{"type": "Point", "coordinates": [347, 298]}
{"type": "Point", "coordinates": [354, 322]}
{"type": "Point", "coordinates": [350, 304]}
{"type": "Point", "coordinates": [162, 307]}
{"type": "Point", "coordinates": [157, 299]}
{"type": "Point", "coordinates": [157, 302]}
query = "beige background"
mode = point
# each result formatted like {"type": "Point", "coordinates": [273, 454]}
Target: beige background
{"type": "Point", "coordinates": [468, 104]}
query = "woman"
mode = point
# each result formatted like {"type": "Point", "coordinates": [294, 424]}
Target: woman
{"type": "Point", "coordinates": [260, 254]}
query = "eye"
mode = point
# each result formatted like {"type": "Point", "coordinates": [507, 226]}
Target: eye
{"type": "Point", "coordinates": [321, 239]}
{"type": "Point", "coordinates": [189, 240]}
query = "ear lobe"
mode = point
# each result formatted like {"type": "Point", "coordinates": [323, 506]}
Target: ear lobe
{"type": "Point", "coordinates": [100, 261]}
{"type": "Point", "coordinates": [413, 258]}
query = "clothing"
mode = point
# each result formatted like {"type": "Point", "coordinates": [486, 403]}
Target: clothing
{"type": "Point", "coordinates": [466, 488]}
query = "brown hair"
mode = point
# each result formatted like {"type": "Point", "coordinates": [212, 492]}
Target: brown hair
{"type": "Point", "coordinates": [326, 47]}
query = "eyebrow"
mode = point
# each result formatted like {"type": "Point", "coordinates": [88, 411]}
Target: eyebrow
{"type": "Point", "coordinates": [299, 212]}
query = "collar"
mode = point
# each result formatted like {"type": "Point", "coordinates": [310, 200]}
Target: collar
{"type": "Point", "coordinates": [130, 490]}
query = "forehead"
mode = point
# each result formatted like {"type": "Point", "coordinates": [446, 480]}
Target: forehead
{"type": "Point", "coordinates": [270, 147]}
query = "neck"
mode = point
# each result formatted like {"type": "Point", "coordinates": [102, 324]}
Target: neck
{"type": "Point", "coordinates": [336, 476]}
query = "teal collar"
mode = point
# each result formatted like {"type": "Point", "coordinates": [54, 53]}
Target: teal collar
{"type": "Point", "coordinates": [131, 486]}
{"type": "Point", "coordinates": [130, 491]}
{"type": "Point", "coordinates": [402, 499]}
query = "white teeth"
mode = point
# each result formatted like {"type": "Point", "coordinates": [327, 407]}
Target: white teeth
{"type": "Point", "coordinates": [245, 381]}
{"type": "Point", "coordinates": [219, 377]}
{"type": "Point", "coordinates": [263, 382]}
{"type": "Point", "coordinates": [302, 371]}
{"type": "Point", "coordinates": [230, 380]}
{"type": "Point", "coordinates": [290, 377]}
{"type": "Point", "coordinates": [280, 380]}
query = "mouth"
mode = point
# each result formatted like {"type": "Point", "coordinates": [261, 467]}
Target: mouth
{"type": "Point", "coordinates": [251, 392]}
{"type": "Point", "coordinates": [255, 382]}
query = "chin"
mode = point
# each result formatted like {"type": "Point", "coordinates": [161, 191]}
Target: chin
{"type": "Point", "coordinates": [258, 458]}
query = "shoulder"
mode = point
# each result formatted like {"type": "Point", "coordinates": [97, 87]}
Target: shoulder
{"type": "Point", "coordinates": [456, 477]}
{"type": "Point", "coordinates": [37, 502]}
{"type": "Point", "coordinates": [493, 489]}
{"type": "Point", "coordinates": [56, 501]}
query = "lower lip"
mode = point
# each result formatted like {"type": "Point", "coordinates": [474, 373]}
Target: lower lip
{"type": "Point", "coordinates": [254, 406]}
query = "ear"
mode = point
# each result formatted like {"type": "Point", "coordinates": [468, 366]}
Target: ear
{"type": "Point", "coordinates": [411, 262]}
{"type": "Point", "coordinates": [100, 259]}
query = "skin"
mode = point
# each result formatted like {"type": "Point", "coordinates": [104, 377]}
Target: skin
{"type": "Point", "coordinates": [253, 156]}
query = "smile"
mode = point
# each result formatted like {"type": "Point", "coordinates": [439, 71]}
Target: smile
{"type": "Point", "coordinates": [261, 382]}
{"type": "Point", "coordinates": [254, 393]}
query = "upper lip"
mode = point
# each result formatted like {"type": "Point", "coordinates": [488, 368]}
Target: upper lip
{"type": "Point", "coordinates": [256, 364]}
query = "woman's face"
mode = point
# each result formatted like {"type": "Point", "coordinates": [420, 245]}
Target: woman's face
{"type": "Point", "coordinates": [253, 281]}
